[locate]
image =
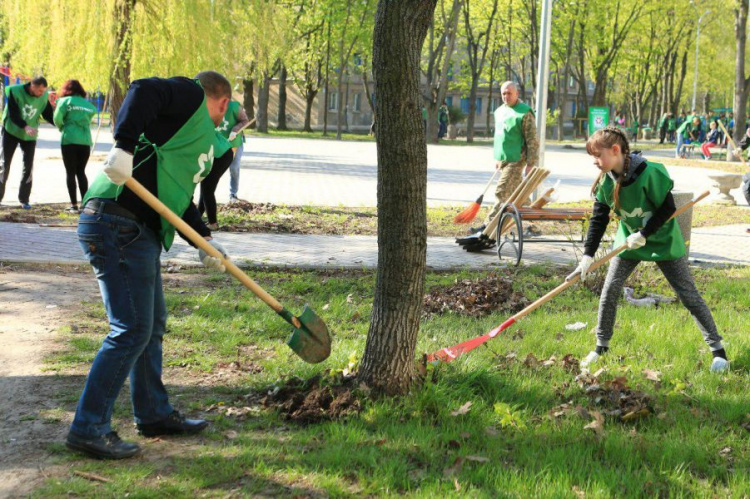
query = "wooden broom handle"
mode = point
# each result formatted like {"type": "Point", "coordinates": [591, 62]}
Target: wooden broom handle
{"type": "Point", "coordinates": [731, 140]}
{"type": "Point", "coordinates": [562, 287]}
{"type": "Point", "coordinates": [199, 241]}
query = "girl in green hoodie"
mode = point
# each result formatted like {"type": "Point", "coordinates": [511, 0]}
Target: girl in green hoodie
{"type": "Point", "coordinates": [73, 115]}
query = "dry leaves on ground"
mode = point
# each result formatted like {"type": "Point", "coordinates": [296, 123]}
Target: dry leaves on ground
{"type": "Point", "coordinates": [475, 297]}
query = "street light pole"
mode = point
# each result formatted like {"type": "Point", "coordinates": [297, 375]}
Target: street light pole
{"type": "Point", "coordinates": [542, 83]}
{"type": "Point", "coordinates": [697, 46]}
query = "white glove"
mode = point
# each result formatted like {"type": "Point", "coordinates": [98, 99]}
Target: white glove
{"type": "Point", "coordinates": [211, 261]}
{"type": "Point", "coordinates": [232, 136]}
{"type": "Point", "coordinates": [583, 268]}
{"type": "Point", "coordinates": [118, 167]}
{"type": "Point", "coordinates": [635, 241]}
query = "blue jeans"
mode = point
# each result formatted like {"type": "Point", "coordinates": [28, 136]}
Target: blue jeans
{"type": "Point", "coordinates": [125, 257]}
{"type": "Point", "coordinates": [234, 171]}
{"type": "Point", "coordinates": [680, 141]}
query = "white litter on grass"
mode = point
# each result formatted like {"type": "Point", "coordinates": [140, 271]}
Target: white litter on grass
{"type": "Point", "coordinates": [576, 326]}
{"type": "Point", "coordinates": [651, 300]}
{"type": "Point", "coordinates": [51, 306]}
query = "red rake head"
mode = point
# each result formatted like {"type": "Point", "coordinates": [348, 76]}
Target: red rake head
{"type": "Point", "coordinates": [467, 215]}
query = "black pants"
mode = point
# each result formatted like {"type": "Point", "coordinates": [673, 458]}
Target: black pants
{"type": "Point", "coordinates": [7, 150]}
{"type": "Point", "coordinates": [75, 157]}
{"type": "Point", "coordinates": [207, 202]}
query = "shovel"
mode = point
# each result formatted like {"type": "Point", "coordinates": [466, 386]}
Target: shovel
{"type": "Point", "coordinates": [310, 338]}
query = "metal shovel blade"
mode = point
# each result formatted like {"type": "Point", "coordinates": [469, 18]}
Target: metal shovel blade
{"type": "Point", "coordinates": [311, 342]}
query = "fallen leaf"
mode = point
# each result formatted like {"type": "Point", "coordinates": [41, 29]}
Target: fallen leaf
{"type": "Point", "coordinates": [559, 336]}
{"type": "Point", "coordinates": [454, 468]}
{"type": "Point", "coordinates": [462, 410]}
{"type": "Point", "coordinates": [454, 444]}
{"type": "Point", "coordinates": [325, 307]}
{"type": "Point", "coordinates": [349, 298]}
{"type": "Point", "coordinates": [652, 375]}
{"type": "Point", "coordinates": [478, 459]}
{"type": "Point", "coordinates": [578, 492]}
{"type": "Point", "coordinates": [725, 452]}
{"type": "Point", "coordinates": [356, 316]}
{"type": "Point", "coordinates": [457, 485]}
{"type": "Point", "coordinates": [633, 415]}
{"type": "Point", "coordinates": [231, 434]}
{"type": "Point", "coordinates": [531, 361]}
{"type": "Point", "coordinates": [549, 362]}
{"type": "Point", "coordinates": [465, 435]}
{"type": "Point", "coordinates": [597, 425]}
{"type": "Point", "coordinates": [599, 372]}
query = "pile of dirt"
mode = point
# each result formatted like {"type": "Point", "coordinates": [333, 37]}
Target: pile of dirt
{"type": "Point", "coordinates": [18, 217]}
{"type": "Point", "coordinates": [313, 400]}
{"type": "Point", "coordinates": [475, 297]}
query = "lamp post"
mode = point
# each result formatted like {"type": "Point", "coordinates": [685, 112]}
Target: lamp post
{"type": "Point", "coordinates": [543, 78]}
{"type": "Point", "coordinates": [697, 41]}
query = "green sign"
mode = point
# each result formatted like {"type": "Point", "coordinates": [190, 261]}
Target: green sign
{"type": "Point", "coordinates": [598, 118]}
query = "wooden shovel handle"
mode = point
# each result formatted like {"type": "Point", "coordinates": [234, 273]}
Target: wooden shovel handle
{"type": "Point", "coordinates": [199, 241]}
{"type": "Point", "coordinates": [562, 287]}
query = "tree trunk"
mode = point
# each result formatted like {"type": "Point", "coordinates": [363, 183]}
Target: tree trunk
{"type": "Point", "coordinates": [472, 110]}
{"type": "Point", "coordinates": [248, 100]}
{"type": "Point", "coordinates": [263, 91]}
{"type": "Point", "coordinates": [388, 361]}
{"type": "Point", "coordinates": [683, 72]}
{"type": "Point", "coordinates": [327, 89]}
{"type": "Point", "coordinates": [120, 78]}
{"type": "Point", "coordinates": [740, 82]}
{"type": "Point", "coordinates": [309, 100]}
{"type": "Point", "coordinates": [281, 121]}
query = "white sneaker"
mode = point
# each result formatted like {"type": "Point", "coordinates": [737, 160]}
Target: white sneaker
{"type": "Point", "coordinates": [719, 365]}
{"type": "Point", "coordinates": [591, 358]}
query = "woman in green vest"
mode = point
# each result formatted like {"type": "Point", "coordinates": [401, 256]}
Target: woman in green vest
{"type": "Point", "coordinates": [639, 192]}
{"type": "Point", "coordinates": [73, 115]}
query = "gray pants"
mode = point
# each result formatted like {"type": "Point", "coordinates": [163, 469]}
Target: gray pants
{"type": "Point", "coordinates": [678, 275]}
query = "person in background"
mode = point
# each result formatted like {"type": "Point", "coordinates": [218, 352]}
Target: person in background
{"type": "Point", "coordinates": [72, 117]}
{"type": "Point", "coordinates": [443, 120]}
{"type": "Point", "coordinates": [26, 103]}
{"type": "Point", "coordinates": [713, 138]}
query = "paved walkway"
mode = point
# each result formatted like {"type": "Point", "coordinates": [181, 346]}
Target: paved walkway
{"type": "Point", "coordinates": [31, 243]}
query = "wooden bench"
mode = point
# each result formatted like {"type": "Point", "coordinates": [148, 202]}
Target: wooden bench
{"type": "Point", "coordinates": [514, 217]}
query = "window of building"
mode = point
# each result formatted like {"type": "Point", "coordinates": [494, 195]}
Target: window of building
{"type": "Point", "coordinates": [333, 101]}
{"type": "Point", "coordinates": [357, 102]}
{"type": "Point", "coordinates": [449, 100]}
{"type": "Point", "coordinates": [479, 105]}
{"type": "Point", "coordinates": [465, 105]}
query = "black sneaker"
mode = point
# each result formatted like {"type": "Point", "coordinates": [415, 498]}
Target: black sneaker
{"type": "Point", "coordinates": [481, 244]}
{"type": "Point", "coordinates": [173, 424]}
{"type": "Point", "coordinates": [475, 230]}
{"type": "Point", "coordinates": [107, 446]}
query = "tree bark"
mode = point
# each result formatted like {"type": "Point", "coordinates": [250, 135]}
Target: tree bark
{"type": "Point", "coordinates": [740, 82]}
{"type": "Point", "coordinates": [263, 91]}
{"type": "Point", "coordinates": [281, 120]}
{"type": "Point", "coordinates": [388, 361]}
{"type": "Point", "coordinates": [120, 79]}
{"type": "Point", "coordinates": [248, 100]}
{"type": "Point", "coordinates": [309, 99]}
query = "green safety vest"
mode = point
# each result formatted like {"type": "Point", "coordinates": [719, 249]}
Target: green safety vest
{"type": "Point", "coordinates": [182, 162]}
{"type": "Point", "coordinates": [638, 202]}
{"type": "Point", "coordinates": [509, 132]}
{"type": "Point", "coordinates": [73, 118]}
{"type": "Point", "coordinates": [31, 110]}
{"type": "Point", "coordinates": [230, 119]}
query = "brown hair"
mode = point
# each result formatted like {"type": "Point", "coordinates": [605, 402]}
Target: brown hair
{"type": "Point", "coordinates": [214, 84]}
{"type": "Point", "coordinates": [72, 87]}
{"type": "Point", "coordinates": [606, 138]}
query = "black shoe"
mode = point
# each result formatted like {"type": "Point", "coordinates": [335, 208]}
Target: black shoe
{"type": "Point", "coordinates": [481, 244]}
{"type": "Point", "coordinates": [107, 446]}
{"type": "Point", "coordinates": [173, 424]}
{"type": "Point", "coordinates": [475, 230]}
{"type": "Point", "coordinates": [472, 239]}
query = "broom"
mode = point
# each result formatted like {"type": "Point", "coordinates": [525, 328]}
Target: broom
{"type": "Point", "coordinates": [470, 213]}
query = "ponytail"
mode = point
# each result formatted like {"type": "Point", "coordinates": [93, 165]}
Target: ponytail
{"type": "Point", "coordinates": [606, 138]}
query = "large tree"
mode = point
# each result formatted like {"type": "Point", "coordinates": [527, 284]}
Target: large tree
{"type": "Point", "coordinates": [400, 30]}
{"type": "Point", "coordinates": [741, 82]}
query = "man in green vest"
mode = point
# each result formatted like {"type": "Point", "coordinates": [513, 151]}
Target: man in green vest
{"type": "Point", "coordinates": [516, 146]}
{"type": "Point", "coordinates": [166, 139]}
{"type": "Point", "coordinates": [26, 104]}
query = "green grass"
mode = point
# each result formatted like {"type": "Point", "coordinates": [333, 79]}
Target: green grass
{"type": "Point", "coordinates": [360, 137]}
{"type": "Point", "coordinates": [411, 445]}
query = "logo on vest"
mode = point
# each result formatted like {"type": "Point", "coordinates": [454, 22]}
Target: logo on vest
{"type": "Point", "coordinates": [636, 219]}
{"type": "Point", "coordinates": [204, 161]}
{"type": "Point", "coordinates": [28, 111]}
{"type": "Point", "coordinates": [223, 127]}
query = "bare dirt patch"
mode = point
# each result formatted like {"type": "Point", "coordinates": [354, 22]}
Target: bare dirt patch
{"type": "Point", "coordinates": [36, 303]}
